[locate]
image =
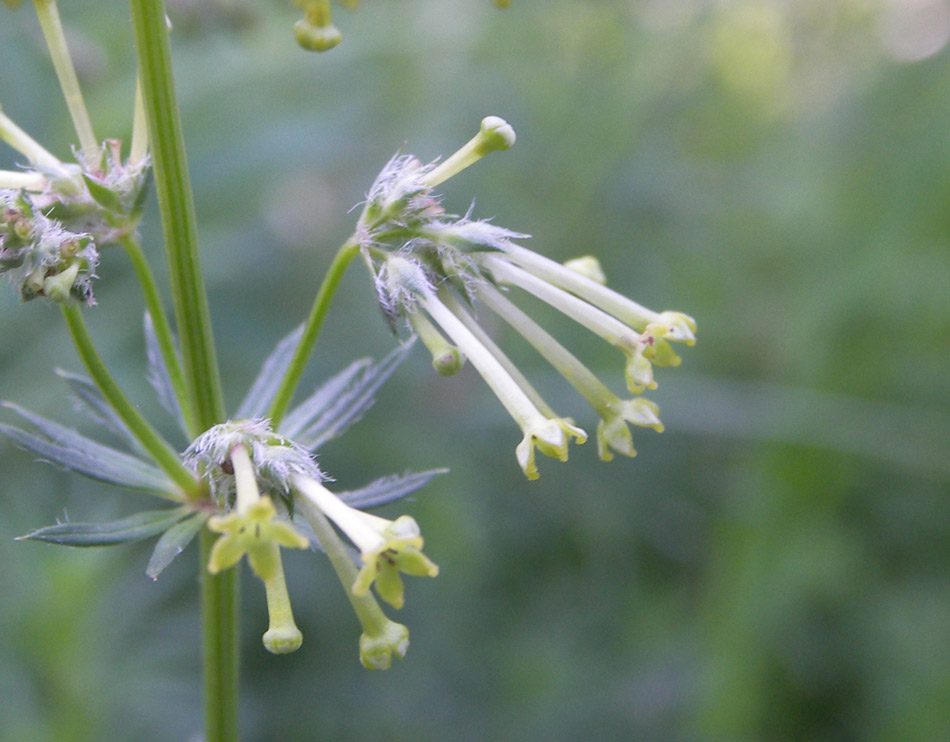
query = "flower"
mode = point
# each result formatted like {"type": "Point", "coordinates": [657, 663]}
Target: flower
{"type": "Point", "coordinates": [386, 547]}
{"type": "Point", "coordinates": [431, 265]}
{"type": "Point", "coordinates": [378, 647]}
{"type": "Point", "coordinates": [42, 258]}
{"type": "Point", "coordinates": [254, 533]}
{"type": "Point", "coordinates": [406, 282]}
{"type": "Point", "coordinates": [56, 216]}
{"type": "Point", "coordinates": [275, 457]}
{"type": "Point", "coordinates": [253, 529]}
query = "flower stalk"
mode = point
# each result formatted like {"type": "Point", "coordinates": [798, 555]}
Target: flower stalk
{"type": "Point", "coordinates": [176, 204]}
{"type": "Point", "coordinates": [331, 281]}
{"type": "Point", "coordinates": [382, 637]}
{"type": "Point", "coordinates": [48, 14]}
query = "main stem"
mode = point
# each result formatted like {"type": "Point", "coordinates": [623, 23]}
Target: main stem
{"type": "Point", "coordinates": [219, 593]}
{"type": "Point", "coordinates": [176, 203]}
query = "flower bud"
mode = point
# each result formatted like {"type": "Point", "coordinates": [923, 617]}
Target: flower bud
{"type": "Point", "coordinates": [377, 649]}
{"type": "Point", "coordinates": [588, 266]}
{"type": "Point", "coordinates": [315, 32]}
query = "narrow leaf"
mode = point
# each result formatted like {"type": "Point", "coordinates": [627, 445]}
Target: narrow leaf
{"type": "Point", "coordinates": [97, 406]}
{"type": "Point", "coordinates": [103, 196]}
{"type": "Point", "coordinates": [173, 542]}
{"type": "Point", "coordinates": [304, 414]}
{"type": "Point", "coordinates": [159, 377]}
{"type": "Point", "coordinates": [74, 451]}
{"type": "Point", "coordinates": [133, 528]}
{"type": "Point", "coordinates": [389, 489]}
{"type": "Point", "coordinates": [269, 378]}
{"type": "Point", "coordinates": [353, 402]}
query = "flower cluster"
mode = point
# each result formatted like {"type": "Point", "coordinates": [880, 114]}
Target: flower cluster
{"type": "Point", "coordinates": [432, 267]}
{"type": "Point", "coordinates": [240, 457]}
{"type": "Point", "coordinates": [41, 257]}
{"type": "Point", "coordinates": [56, 216]}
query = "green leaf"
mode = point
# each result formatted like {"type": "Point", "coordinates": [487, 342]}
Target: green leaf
{"type": "Point", "coordinates": [133, 528]}
{"type": "Point", "coordinates": [340, 402]}
{"type": "Point", "coordinates": [76, 452]}
{"type": "Point", "coordinates": [269, 378]}
{"type": "Point", "coordinates": [173, 542]}
{"type": "Point", "coordinates": [388, 489]}
{"type": "Point", "coordinates": [105, 197]}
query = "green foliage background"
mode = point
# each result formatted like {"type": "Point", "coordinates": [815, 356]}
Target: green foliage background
{"type": "Point", "coordinates": [772, 567]}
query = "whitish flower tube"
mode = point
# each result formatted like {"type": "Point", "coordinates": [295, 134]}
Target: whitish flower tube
{"type": "Point", "coordinates": [387, 547]}
{"type": "Point", "coordinates": [407, 284]}
{"type": "Point", "coordinates": [434, 268]}
{"type": "Point", "coordinates": [679, 327]}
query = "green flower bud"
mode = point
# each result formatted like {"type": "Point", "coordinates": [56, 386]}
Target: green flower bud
{"type": "Point", "coordinates": [315, 32]}
{"type": "Point", "coordinates": [316, 38]}
{"type": "Point", "coordinates": [377, 649]}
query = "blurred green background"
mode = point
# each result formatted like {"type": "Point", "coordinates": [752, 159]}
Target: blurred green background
{"type": "Point", "coordinates": [772, 567]}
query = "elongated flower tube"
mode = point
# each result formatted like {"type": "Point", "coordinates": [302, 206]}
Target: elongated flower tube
{"type": "Point", "coordinates": [386, 547]}
{"type": "Point", "coordinates": [252, 529]}
{"type": "Point", "coordinates": [551, 435]}
{"type": "Point", "coordinates": [612, 431]}
{"type": "Point", "coordinates": [681, 327]}
{"type": "Point", "coordinates": [431, 265]}
{"type": "Point", "coordinates": [638, 371]}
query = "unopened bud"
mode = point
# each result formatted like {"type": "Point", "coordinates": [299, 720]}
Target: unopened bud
{"type": "Point", "coordinates": [588, 266]}
{"type": "Point", "coordinates": [494, 134]}
{"type": "Point", "coordinates": [315, 32]}
{"type": "Point", "coordinates": [446, 358]}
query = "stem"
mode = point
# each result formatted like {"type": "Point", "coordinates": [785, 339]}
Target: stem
{"type": "Point", "coordinates": [331, 281]}
{"type": "Point", "coordinates": [219, 609]}
{"type": "Point", "coordinates": [48, 14]}
{"type": "Point", "coordinates": [165, 456]}
{"type": "Point", "coordinates": [176, 203]}
{"type": "Point", "coordinates": [368, 611]}
{"type": "Point", "coordinates": [219, 593]}
{"type": "Point", "coordinates": [28, 146]}
{"type": "Point", "coordinates": [163, 332]}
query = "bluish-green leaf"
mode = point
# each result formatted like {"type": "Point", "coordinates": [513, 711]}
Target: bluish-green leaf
{"type": "Point", "coordinates": [76, 452]}
{"type": "Point", "coordinates": [265, 386]}
{"type": "Point", "coordinates": [173, 542]}
{"type": "Point", "coordinates": [133, 528]}
{"type": "Point", "coordinates": [97, 407]}
{"type": "Point", "coordinates": [326, 395]}
{"type": "Point", "coordinates": [159, 377]}
{"type": "Point", "coordinates": [389, 489]}
{"type": "Point", "coordinates": [315, 422]}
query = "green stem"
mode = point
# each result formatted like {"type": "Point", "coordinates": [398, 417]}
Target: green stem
{"type": "Point", "coordinates": [368, 611]}
{"type": "Point", "coordinates": [165, 456]}
{"type": "Point", "coordinates": [163, 332]}
{"type": "Point", "coordinates": [331, 281]}
{"type": "Point", "coordinates": [176, 204]}
{"type": "Point", "coordinates": [219, 593]}
{"type": "Point", "coordinates": [48, 15]}
{"type": "Point", "coordinates": [28, 146]}
{"type": "Point", "coordinates": [219, 609]}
